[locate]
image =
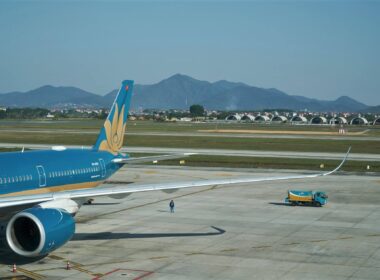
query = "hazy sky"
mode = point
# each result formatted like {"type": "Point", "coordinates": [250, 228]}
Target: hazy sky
{"type": "Point", "coordinates": [319, 49]}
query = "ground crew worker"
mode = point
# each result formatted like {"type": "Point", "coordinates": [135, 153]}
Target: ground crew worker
{"type": "Point", "coordinates": [171, 205]}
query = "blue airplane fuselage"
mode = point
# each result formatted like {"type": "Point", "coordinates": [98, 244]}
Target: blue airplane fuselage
{"type": "Point", "coordinates": [34, 172]}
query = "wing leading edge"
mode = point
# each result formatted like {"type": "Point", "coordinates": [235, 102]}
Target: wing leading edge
{"type": "Point", "coordinates": [94, 192]}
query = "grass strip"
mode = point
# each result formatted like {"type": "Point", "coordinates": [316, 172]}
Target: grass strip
{"type": "Point", "coordinates": [257, 144]}
{"type": "Point", "coordinates": [272, 163]}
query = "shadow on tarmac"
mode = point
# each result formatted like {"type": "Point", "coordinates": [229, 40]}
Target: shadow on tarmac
{"type": "Point", "coordinates": [280, 203]}
{"type": "Point", "coordinates": [101, 203]}
{"type": "Point", "coordinates": [288, 204]}
{"type": "Point", "coordinates": [7, 257]}
{"type": "Point", "coordinates": [126, 235]}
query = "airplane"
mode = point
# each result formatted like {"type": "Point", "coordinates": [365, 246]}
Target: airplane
{"type": "Point", "coordinates": [41, 191]}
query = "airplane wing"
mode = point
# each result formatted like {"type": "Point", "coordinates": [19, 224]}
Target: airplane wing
{"type": "Point", "coordinates": [133, 188]}
{"type": "Point", "coordinates": [150, 158]}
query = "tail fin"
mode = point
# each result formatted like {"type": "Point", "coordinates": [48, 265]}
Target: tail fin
{"type": "Point", "coordinates": [112, 133]}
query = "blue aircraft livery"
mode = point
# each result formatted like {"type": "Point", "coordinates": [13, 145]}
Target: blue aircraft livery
{"type": "Point", "coordinates": [41, 191]}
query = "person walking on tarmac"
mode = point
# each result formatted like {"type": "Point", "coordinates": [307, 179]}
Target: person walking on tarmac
{"type": "Point", "coordinates": [171, 205]}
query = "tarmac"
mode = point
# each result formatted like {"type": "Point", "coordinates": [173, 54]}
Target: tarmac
{"type": "Point", "coordinates": [230, 232]}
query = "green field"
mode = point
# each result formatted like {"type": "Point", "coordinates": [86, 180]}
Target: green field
{"type": "Point", "coordinates": [84, 132]}
{"type": "Point", "coordinates": [260, 144]}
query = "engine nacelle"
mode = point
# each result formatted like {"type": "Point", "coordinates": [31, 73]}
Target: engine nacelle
{"type": "Point", "coordinates": [38, 231]}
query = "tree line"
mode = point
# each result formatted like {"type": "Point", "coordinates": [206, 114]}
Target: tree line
{"type": "Point", "coordinates": [23, 113]}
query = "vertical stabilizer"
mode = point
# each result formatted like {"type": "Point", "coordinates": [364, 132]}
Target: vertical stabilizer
{"type": "Point", "coordinates": [112, 133]}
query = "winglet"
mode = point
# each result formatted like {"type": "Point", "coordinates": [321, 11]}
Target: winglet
{"type": "Point", "coordinates": [340, 165]}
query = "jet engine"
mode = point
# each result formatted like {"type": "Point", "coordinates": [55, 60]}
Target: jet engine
{"type": "Point", "coordinates": [38, 231]}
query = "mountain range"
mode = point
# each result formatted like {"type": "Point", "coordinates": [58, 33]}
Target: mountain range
{"type": "Point", "coordinates": [180, 92]}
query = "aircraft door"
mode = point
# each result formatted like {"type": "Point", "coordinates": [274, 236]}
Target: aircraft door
{"type": "Point", "coordinates": [41, 175]}
{"type": "Point", "coordinates": [102, 167]}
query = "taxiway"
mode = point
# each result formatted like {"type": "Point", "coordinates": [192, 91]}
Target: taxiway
{"type": "Point", "coordinates": [236, 232]}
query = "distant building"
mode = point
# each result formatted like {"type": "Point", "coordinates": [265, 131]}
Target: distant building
{"type": "Point", "coordinates": [235, 117]}
{"type": "Point", "coordinates": [338, 120]}
{"type": "Point", "coordinates": [298, 119]}
{"type": "Point", "coordinates": [248, 118]}
{"type": "Point", "coordinates": [359, 121]}
{"type": "Point", "coordinates": [376, 121]}
{"type": "Point", "coordinates": [262, 118]}
{"type": "Point", "coordinates": [318, 120]}
{"type": "Point", "coordinates": [185, 119]}
{"type": "Point", "coordinates": [279, 119]}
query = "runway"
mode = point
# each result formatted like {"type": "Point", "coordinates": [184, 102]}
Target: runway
{"type": "Point", "coordinates": [359, 137]}
{"type": "Point", "coordinates": [221, 152]}
{"type": "Point", "coordinates": [236, 232]}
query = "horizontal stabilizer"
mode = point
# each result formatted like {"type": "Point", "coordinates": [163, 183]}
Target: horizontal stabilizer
{"type": "Point", "coordinates": [150, 158]}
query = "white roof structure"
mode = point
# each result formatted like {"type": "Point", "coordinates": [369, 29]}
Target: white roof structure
{"type": "Point", "coordinates": [318, 120]}
{"type": "Point", "coordinates": [376, 121]}
{"type": "Point", "coordinates": [279, 119]}
{"type": "Point", "coordinates": [262, 118]}
{"type": "Point", "coordinates": [248, 118]}
{"type": "Point", "coordinates": [359, 121]}
{"type": "Point", "coordinates": [234, 117]}
{"type": "Point", "coordinates": [298, 119]}
{"type": "Point", "coordinates": [338, 120]}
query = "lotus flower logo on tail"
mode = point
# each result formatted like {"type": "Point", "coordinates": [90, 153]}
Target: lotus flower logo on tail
{"type": "Point", "coordinates": [112, 134]}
